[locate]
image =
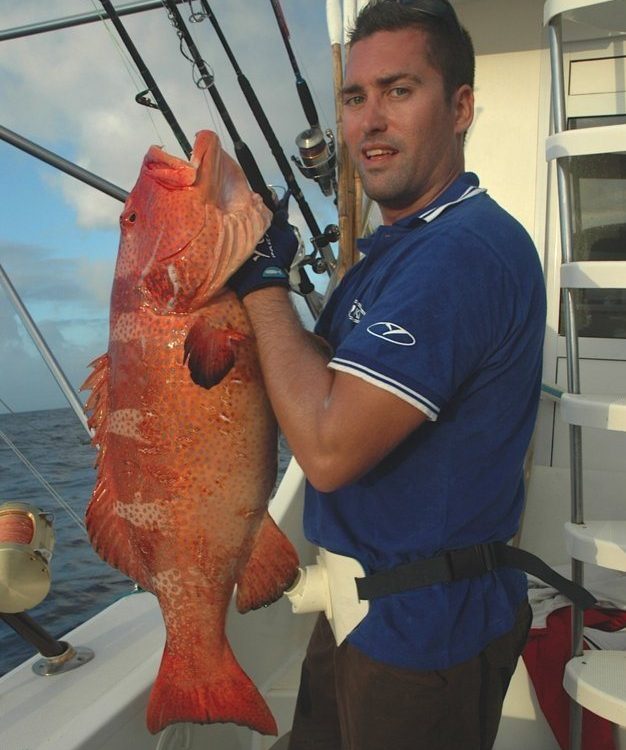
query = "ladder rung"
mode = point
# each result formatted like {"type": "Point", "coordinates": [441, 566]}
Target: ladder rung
{"type": "Point", "coordinates": [596, 681]}
{"type": "Point", "coordinates": [607, 139]}
{"type": "Point", "coordinates": [553, 8]}
{"type": "Point", "coordinates": [600, 411]}
{"type": "Point", "coordinates": [600, 543]}
{"type": "Point", "coordinates": [594, 274]}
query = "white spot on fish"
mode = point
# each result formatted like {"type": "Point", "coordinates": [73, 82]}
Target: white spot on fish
{"type": "Point", "coordinates": [168, 583]}
{"type": "Point", "coordinates": [125, 422]}
{"type": "Point", "coordinates": [125, 328]}
{"type": "Point", "coordinates": [173, 277]}
{"type": "Point", "coordinates": [150, 262]}
{"type": "Point", "coordinates": [144, 515]}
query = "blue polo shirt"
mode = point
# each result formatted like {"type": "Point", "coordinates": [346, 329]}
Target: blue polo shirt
{"type": "Point", "coordinates": [447, 311]}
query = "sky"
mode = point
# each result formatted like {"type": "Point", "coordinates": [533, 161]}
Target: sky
{"type": "Point", "coordinates": [72, 91]}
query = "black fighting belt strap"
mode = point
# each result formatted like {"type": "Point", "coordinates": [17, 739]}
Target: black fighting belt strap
{"type": "Point", "coordinates": [468, 563]}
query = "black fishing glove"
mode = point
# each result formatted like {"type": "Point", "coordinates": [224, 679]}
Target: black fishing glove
{"type": "Point", "coordinates": [272, 258]}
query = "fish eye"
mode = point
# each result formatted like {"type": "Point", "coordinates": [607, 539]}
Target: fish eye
{"type": "Point", "coordinates": [132, 218]}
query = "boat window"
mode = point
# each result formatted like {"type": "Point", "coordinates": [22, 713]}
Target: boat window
{"type": "Point", "coordinates": [598, 190]}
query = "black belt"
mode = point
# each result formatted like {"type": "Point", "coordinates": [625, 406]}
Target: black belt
{"type": "Point", "coordinates": [469, 562]}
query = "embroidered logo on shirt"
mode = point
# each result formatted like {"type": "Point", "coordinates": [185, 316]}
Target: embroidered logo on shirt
{"type": "Point", "coordinates": [392, 332]}
{"type": "Point", "coordinates": [356, 312]}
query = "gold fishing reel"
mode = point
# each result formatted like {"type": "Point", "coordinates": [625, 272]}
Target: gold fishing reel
{"type": "Point", "coordinates": [26, 543]}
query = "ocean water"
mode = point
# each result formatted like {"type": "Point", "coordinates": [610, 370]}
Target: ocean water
{"type": "Point", "coordinates": [56, 444]}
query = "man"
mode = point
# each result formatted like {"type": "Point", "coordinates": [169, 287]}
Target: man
{"type": "Point", "coordinates": [412, 434]}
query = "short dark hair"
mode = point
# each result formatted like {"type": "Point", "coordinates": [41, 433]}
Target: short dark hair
{"type": "Point", "coordinates": [450, 48]}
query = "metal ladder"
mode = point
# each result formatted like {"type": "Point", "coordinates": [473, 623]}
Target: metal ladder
{"type": "Point", "coordinates": [595, 680]}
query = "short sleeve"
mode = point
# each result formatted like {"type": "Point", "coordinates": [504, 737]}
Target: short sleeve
{"type": "Point", "coordinates": [432, 321]}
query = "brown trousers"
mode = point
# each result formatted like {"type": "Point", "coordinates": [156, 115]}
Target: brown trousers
{"type": "Point", "coordinates": [348, 701]}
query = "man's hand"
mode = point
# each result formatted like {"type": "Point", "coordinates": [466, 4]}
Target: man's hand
{"type": "Point", "coordinates": [272, 258]}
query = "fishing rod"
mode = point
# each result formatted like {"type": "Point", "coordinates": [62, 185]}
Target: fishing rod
{"type": "Point", "coordinates": [207, 81]}
{"type": "Point", "coordinates": [301, 85]}
{"type": "Point", "coordinates": [320, 239]}
{"type": "Point", "coordinates": [153, 89]}
{"type": "Point", "coordinates": [243, 153]}
{"type": "Point", "coordinates": [318, 156]}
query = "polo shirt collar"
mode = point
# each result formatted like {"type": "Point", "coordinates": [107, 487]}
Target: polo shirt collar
{"type": "Point", "coordinates": [465, 186]}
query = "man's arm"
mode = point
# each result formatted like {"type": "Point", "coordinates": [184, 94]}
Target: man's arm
{"type": "Point", "coordinates": [337, 425]}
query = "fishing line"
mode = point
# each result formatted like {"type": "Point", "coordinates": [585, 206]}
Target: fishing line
{"type": "Point", "coordinates": [44, 482]}
{"type": "Point", "coordinates": [6, 406]}
{"type": "Point", "coordinates": [197, 77]}
{"type": "Point", "coordinates": [130, 70]}
{"type": "Point", "coordinates": [153, 88]}
{"type": "Point", "coordinates": [206, 80]}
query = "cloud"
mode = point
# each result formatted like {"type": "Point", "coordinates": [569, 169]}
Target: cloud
{"type": "Point", "coordinates": [73, 91]}
{"type": "Point", "coordinates": [83, 89]}
{"type": "Point", "coordinates": [26, 384]}
{"type": "Point", "coordinates": [67, 298]}
{"type": "Point", "coordinates": [47, 281]}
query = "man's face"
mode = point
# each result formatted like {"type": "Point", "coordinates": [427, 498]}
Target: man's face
{"type": "Point", "coordinates": [403, 134]}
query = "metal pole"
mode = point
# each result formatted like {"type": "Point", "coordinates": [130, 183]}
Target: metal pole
{"type": "Point", "coordinates": [571, 339]}
{"type": "Point", "coordinates": [78, 20]}
{"type": "Point", "coordinates": [33, 149]}
{"type": "Point", "coordinates": [44, 350]}
{"type": "Point", "coordinates": [31, 631]}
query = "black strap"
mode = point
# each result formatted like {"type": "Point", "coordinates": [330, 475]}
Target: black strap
{"type": "Point", "coordinates": [468, 563]}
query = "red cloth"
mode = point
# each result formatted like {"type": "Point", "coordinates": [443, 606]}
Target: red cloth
{"type": "Point", "coordinates": [546, 653]}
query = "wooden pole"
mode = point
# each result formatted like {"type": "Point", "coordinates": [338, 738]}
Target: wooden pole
{"type": "Point", "coordinates": [345, 181]}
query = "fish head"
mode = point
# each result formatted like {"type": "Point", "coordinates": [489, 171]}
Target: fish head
{"type": "Point", "coordinates": [187, 226]}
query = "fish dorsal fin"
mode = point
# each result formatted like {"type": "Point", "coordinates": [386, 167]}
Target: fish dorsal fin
{"type": "Point", "coordinates": [107, 531]}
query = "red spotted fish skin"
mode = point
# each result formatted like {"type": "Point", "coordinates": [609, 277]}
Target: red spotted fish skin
{"type": "Point", "coordinates": [186, 436]}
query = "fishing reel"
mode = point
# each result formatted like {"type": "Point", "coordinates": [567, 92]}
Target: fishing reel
{"type": "Point", "coordinates": [26, 544]}
{"type": "Point", "coordinates": [318, 158]}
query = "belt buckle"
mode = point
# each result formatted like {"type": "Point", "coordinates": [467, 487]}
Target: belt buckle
{"type": "Point", "coordinates": [488, 557]}
{"type": "Point", "coordinates": [470, 562]}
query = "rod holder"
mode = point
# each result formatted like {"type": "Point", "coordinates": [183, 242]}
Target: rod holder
{"type": "Point", "coordinates": [58, 656]}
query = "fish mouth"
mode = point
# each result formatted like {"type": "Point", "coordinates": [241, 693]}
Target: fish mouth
{"type": "Point", "coordinates": [173, 172]}
{"type": "Point", "coordinates": [169, 171]}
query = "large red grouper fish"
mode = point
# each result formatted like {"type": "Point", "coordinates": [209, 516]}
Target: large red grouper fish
{"type": "Point", "coordinates": [187, 440]}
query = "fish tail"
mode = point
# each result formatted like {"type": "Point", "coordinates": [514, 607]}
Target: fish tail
{"type": "Point", "coordinates": [271, 568]}
{"type": "Point", "coordinates": [227, 694]}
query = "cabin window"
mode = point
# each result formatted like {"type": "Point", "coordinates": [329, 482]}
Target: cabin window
{"type": "Point", "coordinates": [598, 191]}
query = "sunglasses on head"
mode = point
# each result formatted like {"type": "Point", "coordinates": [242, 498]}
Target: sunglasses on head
{"type": "Point", "coordinates": [440, 9]}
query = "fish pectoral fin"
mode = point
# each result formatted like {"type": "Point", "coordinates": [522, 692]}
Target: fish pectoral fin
{"type": "Point", "coordinates": [210, 352]}
{"type": "Point", "coordinates": [271, 568]}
